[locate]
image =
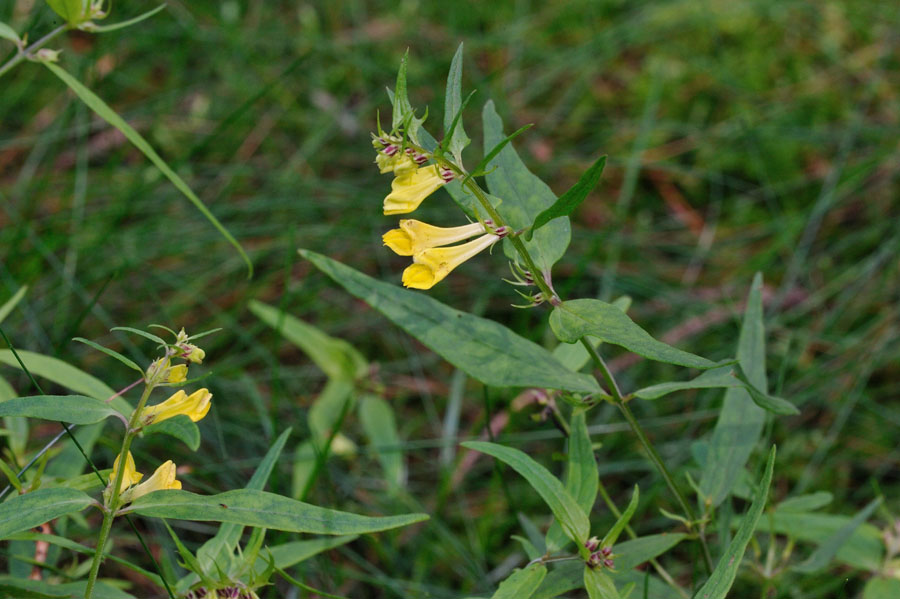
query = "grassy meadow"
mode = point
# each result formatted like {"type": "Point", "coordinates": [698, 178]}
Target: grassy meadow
{"type": "Point", "coordinates": [743, 137]}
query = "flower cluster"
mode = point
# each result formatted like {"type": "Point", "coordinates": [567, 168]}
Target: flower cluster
{"type": "Point", "coordinates": [429, 246]}
{"type": "Point", "coordinates": [600, 556]}
{"type": "Point", "coordinates": [162, 479]}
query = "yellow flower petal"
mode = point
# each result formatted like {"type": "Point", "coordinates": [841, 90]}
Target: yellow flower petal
{"type": "Point", "coordinates": [130, 476]}
{"type": "Point", "coordinates": [178, 374]}
{"type": "Point", "coordinates": [424, 236]}
{"type": "Point", "coordinates": [432, 265]}
{"type": "Point", "coordinates": [409, 190]}
{"type": "Point", "coordinates": [399, 241]}
{"type": "Point", "coordinates": [162, 479]}
{"type": "Point", "coordinates": [195, 406]}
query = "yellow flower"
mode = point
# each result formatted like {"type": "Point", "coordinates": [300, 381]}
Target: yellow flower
{"type": "Point", "coordinates": [178, 374]}
{"type": "Point", "coordinates": [129, 477]}
{"type": "Point", "coordinates": [162, 479]}
{"type": "Point", "coordinates": [433, 264]}
{"type": "Point", "coordinates": [409, 189]}
{"type": "Point", "coordinates": [397, 161]}
{"type": "Point", "coordinates": [194, 406]}
{"type": "Point", "coordinates": [414, 236]}
{"type": "Point", "coordinates": [189, 351]}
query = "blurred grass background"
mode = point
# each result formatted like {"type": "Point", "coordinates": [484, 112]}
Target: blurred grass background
{"type": "Point", "coordinates": [747, 136]}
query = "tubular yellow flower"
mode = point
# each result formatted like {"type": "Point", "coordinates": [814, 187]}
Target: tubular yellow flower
{"type": "Point", "coordinates": [162, 479]}
{"type": "Point", "coordinates": [397, 162]}
{"type": "Point", "coordinates": [194, 406]}
{"type": "Point", "coordinates": [130, 476]}
{"type": "Point", "coordinates": [432, 265]}
{"type": "Point", "coordinates": [414, 236]}
{"type": "Point", "coordinates": [178, 374]}
{"type": "Point", "coordinates": [410, 189]}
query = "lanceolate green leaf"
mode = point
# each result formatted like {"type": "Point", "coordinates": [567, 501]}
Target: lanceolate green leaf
{"type": "Point", "coordinates": [825, 552]}
{"type": "Point", "coordinates": [482, 348]}
{"type": "Point", "coordinates": [110, 116]}
{"type": "Point", "coordinates": [740, 421]}
{"type": "Point", "coordinates": [289, 554]}
{"type": "Point", "coordinates": [725, 377]}
{"type": "Point", "coordinates": [180, 427]}
{"type": "Point", "coordinates": [613, 535]}
{"type": "Point", "coordinates": [59, 372]}
{"type": "Point", "coordinates": [582, 477]}
{"type": "Point", "coordinates": [864, 548]}
{"type": "Point", "coordinates": [598, 585]}
{"type": "Point", "coordinates": [111, 353]}
{"type": "Point", "coordinates": [336, 357]}
{"type": "Point", "coordinates": [524, 197]}
{"type": "Point", "coordinates": [267, 510]}
{"type": "Point", "coordinates": [12, 302]}
{"type": "Point", "coordinates": [521, 584]}
{"type": "Point", "coordinates": [572, 199]}
{"type": "Point", "coordinates": [228, 535]}
{"type": "Point", "coordinates": [33, 509]}
{"type": "Point", "coordinates": [378, 421]}
{"type": "Point", "coordinates": [9, 33]}
{"type": "Point", "coordinates": [565, 509]}
{"type": "Point", "coordinates": [74, 409]}
{"type": "Point", "coordinates": [576, 318]}
{"type": "Point", "coordinates": [723, 575]}
{"type": "Point", "coordinates": [633, 553]}
{"type": "Point", "coordinates": [453, 104]}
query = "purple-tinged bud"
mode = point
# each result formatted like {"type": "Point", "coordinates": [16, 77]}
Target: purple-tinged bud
{"type": "Point", "coordinates": [592, 544]}
{"type": "Point", "coordinates": [606, 551]}
{"type": "Point", "coordinates": [390, 150]}
{"type": "Point", "coordinates": [608, 563]}
{"type": "Point", "coordinates": [447, 175]}
{"type": "Point", "coordinates": [501, 232]}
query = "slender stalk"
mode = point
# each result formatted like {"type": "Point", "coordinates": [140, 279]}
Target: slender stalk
{"type": "Point", "coordinates": [27, 52]}
{"type": "Point", "coordinates": [110, 506]}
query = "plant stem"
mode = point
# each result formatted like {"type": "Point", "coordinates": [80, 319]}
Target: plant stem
{"type": "Point", "coordinates": [617, 396]}
{"type": "Point", "coordinates": [23, 54]}
{"type": "Point", "coordinates": [110, 506]}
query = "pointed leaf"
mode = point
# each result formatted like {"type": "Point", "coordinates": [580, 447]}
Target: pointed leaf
{"type": "Point", "coordinates": [576, 318]}
{"type": "Point", "coordinates": [740, 422]}
{"type": "Point", "coordinates": [268, 510]}
{"type": "Point", "coordinates": [453, 105]}
{"type": "Point", "coordinates": [12, 302]}
{"type": "Point", "coordinates": [613, 535]}
{"type": "Point", "coordinates": [110, 116]}
{"type": "Point", "coordinates": [806, 503]}
{"type": "Point", "coordinates": [33, 509]}
{"type": "Point", "coordinates": [289, 554]}
{"type": "Point", "coordinates": [570, 515]}
{"type": "Point", "coordinates": [521, 584]}
{"type": "Point", "coordinates": [336, 357]}
{"type": "Point", "coordinates": [723, 575]}
{"type": "Point", "coordinates": [180, 427]}
{"type": "Point", "coordinates": [633, 553]}
{"type": "Point", "coordinates": [524, 197]}
{"type": "Point", "coordinates": [378, 421]}
{"type": "Point", "coordinates": [826, 552]}
{"type": "Point", "coordinates": [74, 409]}
{"type": "Point", "coordinates": [572, 199]}
{"type": "Point", "coordinates": [111, 353]}
{"type": "Point", "coordinates": [582, 476]}
{"type": "Point", "coordinates": [598, 585]}
{"type": "Point", "coordinates": [482, 348]}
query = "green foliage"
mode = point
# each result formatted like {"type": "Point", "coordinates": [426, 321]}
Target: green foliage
{"type": "Point", "coordinates": [248, 507]}
{"type": "Point", "coordinates": [33, 509]}
{"type": "Point", "coordinates": [484, 349]}
{"type": "Point", "coordinates": [722, 577]}
{"type": "Point", "coordinates": [521, 584]}
{"type": "Point", "coordinates": [74, 409]}
{"type": "Point", "coordinates": [571, 517]}
{"type": "Point", "coordinates": [574, 319]}
{"type": "Point", "coordinates": [572, 199]}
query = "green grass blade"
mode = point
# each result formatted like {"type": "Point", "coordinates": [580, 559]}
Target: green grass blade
{"type": "Point", "coordinates": [110, 116]}
{"type": "Point", "coordinates": [723, 575]}
{"type": "Point", "coordinates": [12, 302]}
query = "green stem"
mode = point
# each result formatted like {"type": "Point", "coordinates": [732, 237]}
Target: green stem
{"type": "Point", "coordinates": [617, 396]}
{"type": "Point", "coordinates": [110, 506]}
{"type": "Point", "coordinates": [26, 53]}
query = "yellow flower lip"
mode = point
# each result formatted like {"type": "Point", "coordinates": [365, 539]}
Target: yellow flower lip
{"type": "Point", "coordinates": [163, 479]}
{"type": "Point", "coordinates": [408, 190]}
{"type": "Point", "coordinates": [195, 406]}
{"type": "Point", "coordinates": [177, 374]}
{"type": "Point", "coordinates": [432, 265]}
{"type": "Point", "coordinates": [414, 236]}
{"type": "Point", "coordinates": [129, 477]}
